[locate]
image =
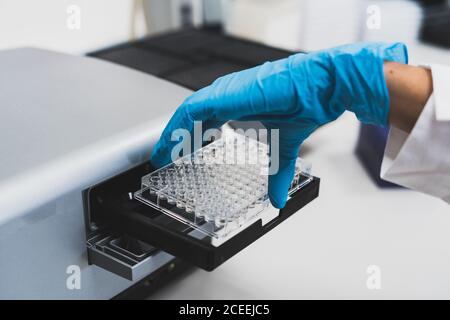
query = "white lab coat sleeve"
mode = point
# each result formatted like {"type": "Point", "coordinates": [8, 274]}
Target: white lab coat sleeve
{"type": "Point", "coordinates": [421, 160]}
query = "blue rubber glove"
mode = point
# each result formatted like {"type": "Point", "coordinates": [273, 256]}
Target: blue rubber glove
{"type": "Point", "coordinates": [295, 95]}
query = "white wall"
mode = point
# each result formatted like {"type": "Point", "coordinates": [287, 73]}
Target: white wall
{"type": "Point", "coordinates": [318, 24]}
{"type": "Point", "coordinates": [43, 23]}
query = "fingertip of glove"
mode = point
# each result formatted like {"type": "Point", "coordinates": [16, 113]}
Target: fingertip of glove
{"type": "Point", "coordinates": [155, 162]}
{"type": "Point", "coordinates": [157, 158]}
{"type": "Point", "coordinates": [279, 183]}
{"type": "Point", "coordinates": [277, 201]}
{"type": "Point", "coordinates": [278, 194]}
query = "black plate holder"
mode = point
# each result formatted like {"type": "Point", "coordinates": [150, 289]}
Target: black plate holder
{"type": "Point", "coordinates": [111, 203]}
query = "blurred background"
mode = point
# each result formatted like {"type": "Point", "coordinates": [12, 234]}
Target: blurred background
{"type": "Point", "coordinates": [292, 24]}
{"type": "Point", "coordinates": [359, 219]}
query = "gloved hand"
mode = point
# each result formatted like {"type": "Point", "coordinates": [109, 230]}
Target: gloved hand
{"type": "Point", "coordinates": [295, 95]}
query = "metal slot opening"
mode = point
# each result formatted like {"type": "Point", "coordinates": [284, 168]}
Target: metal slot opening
{"type": "Point", "coordinates": [125, 256]}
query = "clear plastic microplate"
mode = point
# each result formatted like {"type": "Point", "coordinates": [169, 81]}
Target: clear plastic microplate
{"type": "Point", "coordinates": [220, 189]}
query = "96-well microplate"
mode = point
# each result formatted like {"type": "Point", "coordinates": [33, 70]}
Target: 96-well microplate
{"type": "Point", "coordinates": [218, 189]}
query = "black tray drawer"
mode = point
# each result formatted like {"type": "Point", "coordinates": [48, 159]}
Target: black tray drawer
{"type": "Point", "coordinates": [111, 203]}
